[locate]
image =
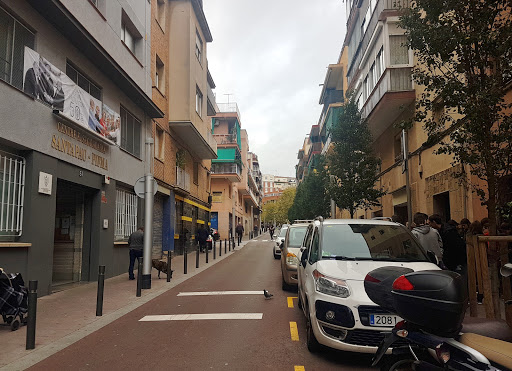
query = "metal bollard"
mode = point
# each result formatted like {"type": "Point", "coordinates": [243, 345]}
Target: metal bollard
{"type": "Point", "coordinates": [237, 241]}
{"type": "Point", "coordinates": [197, 257]}
{"type": "Point", "coordinates": [206, 253]}
{"type": "Point", "coordinates": [101, 289]}
{"type": "Point", "coordinates": [229, 247]}
{"type": "Point", "coordinates": [214, 248]}
{"type": "Point", "coordinates": [139, 278]}
{"type": "Point", "coordinates": [220, 247]}
{"type": "Point", "coordinates": [225, 246]}
{"type": "Point", "coordinates": [169, 270]}
{"type": "Point", "coordinates": [233, 243]}
{"type": "Point", "coordinates": [32, 312]}
{"type": "Point", "coordinates": [185, 260]}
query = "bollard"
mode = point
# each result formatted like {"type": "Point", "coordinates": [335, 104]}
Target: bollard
{"type": "Point", "coordinates": [237, 241]}
{"type": "Point", "coordinates": [233, 243]}
{"type": "Point", "coordinates": [206, 253]}
{"type": "Point", "coordinates": [139, 278]}
{"type": "Point", "coordinates": [185, 260]}
{"type": "Point", "coordinates": [32, 312]}
{"type": "Point", "coordinates": [197, 257]}
{"type": "Point", "coordinates": [101, 288]}
{"type": "Point", "coordinates": [214, 248]}
{"type": "Point", "coordinates": [229, 247]}
{"type": "Point", "coordinates": [225, 246]}
{"type": "Point", "coordinates": [169, 271]}
{"type": "Point", "coordinates": [220, 247]}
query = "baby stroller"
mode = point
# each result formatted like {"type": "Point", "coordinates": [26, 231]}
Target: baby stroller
{"type": "Point", "coordinates": [13, 299]}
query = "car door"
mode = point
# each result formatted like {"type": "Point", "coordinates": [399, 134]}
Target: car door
{"type": "Point", "coordinates": [310, 266]}
{"type": "Point", "coordinates": [304, 254]}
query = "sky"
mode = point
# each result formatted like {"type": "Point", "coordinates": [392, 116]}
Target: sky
{"type": "Point", "coordinates": [272, 56]}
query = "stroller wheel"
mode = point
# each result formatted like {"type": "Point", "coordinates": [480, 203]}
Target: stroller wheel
{"type": "Point", "coordinates": [15, 325]}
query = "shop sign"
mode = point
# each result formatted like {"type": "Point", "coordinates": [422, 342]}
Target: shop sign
{"type": "Point", "coordinates": [45, 183]}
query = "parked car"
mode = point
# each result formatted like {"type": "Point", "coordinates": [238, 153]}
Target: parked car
{"type": "Point", "coordinates": [290, 252]}
{"type": "Point", "coordinates": [335, 257]}
{"type": "Point", "coordinates": [279, 240]}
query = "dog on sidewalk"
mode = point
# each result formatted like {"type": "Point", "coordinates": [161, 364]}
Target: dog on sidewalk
{"type": "Point", "coordinates": [160, 266]}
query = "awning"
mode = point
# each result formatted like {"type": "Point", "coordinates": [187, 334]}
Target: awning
{"type": "Point", "coordinates": [205, 149]}
{"type": "Point", "coordinates": [225, 155]}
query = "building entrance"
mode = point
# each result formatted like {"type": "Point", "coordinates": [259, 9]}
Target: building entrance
{"type": "Point", "coordinates": [442, 205]}
{"type": "Point", "coordinates": [71, 247]}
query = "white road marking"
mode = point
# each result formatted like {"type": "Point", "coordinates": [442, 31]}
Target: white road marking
{"type": "Point", "coordinates": [206, 293]}
{"type": "Point", "coordinates": [264, 240]}
{"type": "Point", "coordinates": [197, 317]}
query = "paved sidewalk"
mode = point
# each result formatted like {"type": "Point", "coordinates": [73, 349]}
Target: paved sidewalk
{"type": "Point", "coordinates": [68, 316]}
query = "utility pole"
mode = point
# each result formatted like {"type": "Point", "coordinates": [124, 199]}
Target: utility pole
{"type": "Point", "coordinates": [405, 149]}
{"type": "Point", "coordinates": [148, 218]}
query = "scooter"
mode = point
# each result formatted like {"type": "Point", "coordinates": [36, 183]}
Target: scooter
{"type": "Point", "coordinates": [433, 304]}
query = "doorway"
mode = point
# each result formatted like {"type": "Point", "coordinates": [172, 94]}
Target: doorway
{"type": "Point", "coordinates": [71, 242]}
{"type": "Point", "coordinates": [401, 212]}
{"type": "Point", "coordinates": [442, 205]}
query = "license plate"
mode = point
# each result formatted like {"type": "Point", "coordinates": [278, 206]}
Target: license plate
{"type": "Point", "coordinates": [384, 320]}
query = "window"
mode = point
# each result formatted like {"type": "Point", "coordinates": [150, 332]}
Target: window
{"type": "Point", "coordinates": [130, 132]}
{"type": "Point", "coordinates": [397, 147]}
{"type": "Point", "coordinates": [126, 214]}
{"type": "Point", "coordinates": [199, 47]}
{"type": "Point", "coordinates": [13, 39]}
{"type": "Point", "coordinates": [398, 51]}
{"type": "Point", "coordinates": [199, 101]}
{"type": "Point", "coordinates": [12, 175]}
{"type": "Point", "coordinates": [379, 63]}
{"type": "Point", "coordinates": [160, 12]}
{"type": "Point", "coordinates": [159, 143]}
{"type": "Point", "coordinates": [83, 81]}
{"type": "Point", "coordinates": [196, 173]}
{"type": "Point", "coordinates": [160, 75]}
{"type": "Point", "coordinates": [315, 246]}
{"type": "Point", "coordinates": [127, 37]}
{"type": "Point", "coordinates": [371, 78]}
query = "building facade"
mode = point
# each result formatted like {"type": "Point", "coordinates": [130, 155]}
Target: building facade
{"type": "Point", "coordinates": [184, 146]}
{"type": "Point", "coordinates": [76, 111]}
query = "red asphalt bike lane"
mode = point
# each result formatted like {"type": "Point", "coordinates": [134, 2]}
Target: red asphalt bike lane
{"type": "Point", "coordinates": [263, 344]}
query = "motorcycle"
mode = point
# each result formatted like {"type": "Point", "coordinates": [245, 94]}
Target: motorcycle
{"type": "Point", "coordinates": [433, 305]}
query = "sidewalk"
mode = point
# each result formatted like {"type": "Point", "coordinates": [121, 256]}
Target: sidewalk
{"type": "Point", "coordinates": [68, 316]}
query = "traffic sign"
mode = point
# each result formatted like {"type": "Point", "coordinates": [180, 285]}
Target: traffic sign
{"type": "Point", "coordinates": [139, 186]}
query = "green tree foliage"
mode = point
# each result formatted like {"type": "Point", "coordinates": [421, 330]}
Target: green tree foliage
{"type": "Point", "coordinates": [352, 166]}
{"type": "Point", "coordinates": [269, 212]}
{"type": "Point", "coordinates": [464, 50]}
{"type": "Point", "coordinates": [278, 211]}
{"type": "Point", "coordinates": [311, 199]}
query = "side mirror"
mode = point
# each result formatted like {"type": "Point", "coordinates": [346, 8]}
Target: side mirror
{"type": "Point", "coordinates": [303, 256]}
{"type": "Point", "coordinates": [432, 257]}
{"type": "Point", "coordinates": [281, 245]}
{"type": "Point", "coordinates": [506, 270]}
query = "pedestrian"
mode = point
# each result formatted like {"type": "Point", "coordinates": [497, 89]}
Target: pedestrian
{"type": "Point", "coordinates": [271, 231]}
{"type": "Point", "coordinates": [428, 237]}
{"type": "Point", "coordinates": [202, 236]}
{"type": "Point", "coordinates": [256, 230]}
{"type": "Point", "coordinates": [454, 254]}
{"type": "Point", "coordinates": [136, 245]}
{"type": "Point", "coordinates": [239, 229]}
{"type": "Point", "coordinates": [464, 228]}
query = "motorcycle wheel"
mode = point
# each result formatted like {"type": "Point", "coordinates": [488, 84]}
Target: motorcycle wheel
{"type": "Point", "coordinates": [402, 365]}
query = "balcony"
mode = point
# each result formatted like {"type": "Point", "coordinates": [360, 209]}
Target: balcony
{"type": "Point", "coordinates": [229, 107]}
{"type": "Point", "coordinates": [211, 105]}
{"type": "Point", "coordinates": [204, 147]}
{"type": "Point", "coordinates": [248, 194]}
{"type": "Point", "coordinates": [393, 92]}
{"type": "Point", "coordinates": [229, 171]}
{"type": "Point", "coordinates": [226, 139]}
{"type": "Point", "coordinates": [182, 179]}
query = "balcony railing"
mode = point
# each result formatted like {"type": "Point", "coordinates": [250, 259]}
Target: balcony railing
{"type": "Point", "coordinates": [229, 107]}
{"type": "Point", "coordinates": [182, 179]}
{"type": "Point", "coordinates": [225, 138]}
{"type": "Point", "coordinates": [226, 168]}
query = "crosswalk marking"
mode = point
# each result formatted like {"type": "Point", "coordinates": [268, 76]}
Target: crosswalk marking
{"type": "Point", "coordinates": [202, 316]}
{"type": "Point", "coordinates": [206, 293]}
{"type": "Point", "coordinates": [293, 331]}
{"type": "Point", "coordinates": [264, 240]}
{"type": "Point", "coordinates": [290, 301]}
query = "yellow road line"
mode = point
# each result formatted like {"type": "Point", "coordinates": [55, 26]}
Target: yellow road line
{"type": "Point", "coordinates": [293, 331]}
{"type": "Point", "coordinates": [290, 301]}
{"type": "Point", "coordinates": [299, 368]}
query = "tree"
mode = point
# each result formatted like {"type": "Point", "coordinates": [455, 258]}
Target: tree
{"type": "Point", "coordinates": [311, 199]}
{"type": "Point", "coordinates": [269, 211]}
{"type": "Point", "coordinates": [352, 166]}
{"type": "Point", "coordinates": [464, 49]}
{"type": "Point", "coordinates": [284, 203]}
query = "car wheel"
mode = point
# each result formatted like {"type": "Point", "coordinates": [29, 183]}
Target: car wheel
{"type": "Point", "coordinates": [299, 301]}
{"type": "Point", "coordinates": [313, 344]}
{"type": "Point", "coordinates": [284, 285]}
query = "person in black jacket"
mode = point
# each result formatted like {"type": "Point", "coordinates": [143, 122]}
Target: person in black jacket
{"type": "Point", "coordinates": [136, 245]}
{"type": "Point", "coordinates": [202, 236]}
{"type": "Point", "coordinates": [454, 256]}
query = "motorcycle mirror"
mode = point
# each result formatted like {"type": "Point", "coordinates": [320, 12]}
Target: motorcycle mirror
{"type": "Point", "coordinates": [506, 270]}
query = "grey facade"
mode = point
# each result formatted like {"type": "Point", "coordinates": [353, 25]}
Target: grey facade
{"type": "Point", "coordinates": [77, 224]}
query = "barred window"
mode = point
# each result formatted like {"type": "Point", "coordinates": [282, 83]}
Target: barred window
{"type": "Point", "coordinates": [12, 186]}
{"type": "Point", "coordinates": [398, 50]}
{"type": "Point", "coordinates": [126, 214]}
{"type": "Point", "coordinates": [13, 39]}
{"type": "Point", "coordinates": [130, 132]}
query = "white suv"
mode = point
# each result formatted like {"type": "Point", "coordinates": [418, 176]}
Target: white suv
{"type": "Point", "coordinates": [335, 257]}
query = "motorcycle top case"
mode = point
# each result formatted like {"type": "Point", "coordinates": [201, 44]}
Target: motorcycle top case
{"type": "Point", "coordinates": [436, 302]}
{"type": "Point", "coordinates": [378, 285]}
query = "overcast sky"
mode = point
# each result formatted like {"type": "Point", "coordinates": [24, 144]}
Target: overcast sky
{"type": "Point", "coordinates": [272, 56]}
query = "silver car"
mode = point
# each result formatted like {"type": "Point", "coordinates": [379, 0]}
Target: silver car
{"type": "Point", "coordinates": [290, 252]}
{"type": "Point", "coordinates": [279, 240]}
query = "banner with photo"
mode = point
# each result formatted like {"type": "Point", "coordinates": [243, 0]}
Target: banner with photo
{"type": "Point", "coordinates": [47, 83]}
{"type": "Point", "coordinates": [112, 123]}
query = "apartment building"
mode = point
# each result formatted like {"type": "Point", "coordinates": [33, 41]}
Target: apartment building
{"type": "Point", "coordinates": [76, 108]}
{"type": "Point", "coordinates": [274, 185]}
{"type": "Point", "coordinates": [378, 72]}
{"type": "Point", "coordinates": [309, 154]}
{"type": "Point", "coordinates": [236, 193]}
{"type": "Point", "coordinates": [182, 88]}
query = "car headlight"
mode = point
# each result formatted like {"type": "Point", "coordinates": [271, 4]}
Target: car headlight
{"type": "Point", "coordinates": [330, 286]}
{"type": "Point", "coordinates": [291, 259]}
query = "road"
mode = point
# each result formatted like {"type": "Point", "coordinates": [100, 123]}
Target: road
{"type": "Point", "coordinates": [264, 343]}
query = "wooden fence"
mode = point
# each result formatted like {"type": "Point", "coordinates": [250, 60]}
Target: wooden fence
{"type": "Point", "coordinates": [486, 255]}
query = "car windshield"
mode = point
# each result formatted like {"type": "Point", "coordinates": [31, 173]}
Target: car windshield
{"type": "Point", "coordinates": [296, 236]}
{"type": "Point", "coordinates": [370, 242]}
{"type": "Point", "coordinates": [282, 233]}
